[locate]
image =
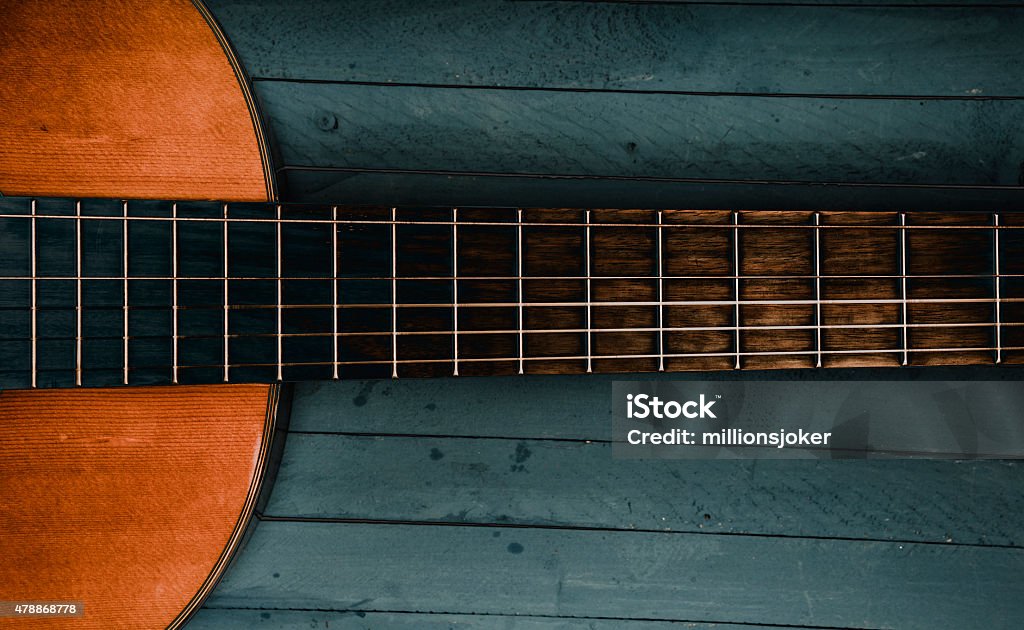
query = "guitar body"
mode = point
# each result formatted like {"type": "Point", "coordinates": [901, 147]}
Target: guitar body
{"type": "Point", "coordinates": [128, 500]}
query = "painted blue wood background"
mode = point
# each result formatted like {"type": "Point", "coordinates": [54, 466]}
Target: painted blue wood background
{"type": "Point", "coordinates": [495, 503]}
{"type": "Point", "coordinates": [624, 104]}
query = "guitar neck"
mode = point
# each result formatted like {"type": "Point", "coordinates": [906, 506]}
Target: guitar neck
{"type": "Point", "coordinates": [106, 292]}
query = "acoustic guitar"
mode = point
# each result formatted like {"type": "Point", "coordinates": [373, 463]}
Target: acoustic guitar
{"type": "Point", "coordinates": [158, 293]}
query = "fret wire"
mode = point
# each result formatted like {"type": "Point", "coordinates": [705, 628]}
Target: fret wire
{"type": "Point", "coordinates": [124, 262]}
{"type": "Point", "coordinates": [736, 285]}
{"type": "Point", "coordinates": [552, 331]}
{"type": "Point", "coordinates": [280, 350]}
{"type": "Point", "coordinates": [174, 291]}
{"type": "Point", "coordinates": [661, 299]}
{"type": "Point", "coordinates": [334, 289]}
{"type": "Point", "coordinates": [78, 293]}
{"type": "Point", "coordinates": [394, 293]}
{"type": "Point", "coordinates": [718, 226]}
{"type": "Point", "coordinates": [35, 316]}
{"type": "Point", "coordinates": [519, 280]}
{"type": "Point", "coordinates": [995, 262]}
{"type": "Point", "coordinates": [903, 286]}
{"type": "Point", "coordinates": [817, 284]}
{"type": "Point", "coordinates": [227, 363]}
{"type": "Point", "coordinates": [455, 290]}
{"type": "Point", "coordinates": [587, 256]}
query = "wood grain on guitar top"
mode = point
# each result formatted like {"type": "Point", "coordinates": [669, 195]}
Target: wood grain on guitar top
{"type": "Point", "coordinates": [121, 99]}
{"type": "Point", "coordinates": [123, 499]}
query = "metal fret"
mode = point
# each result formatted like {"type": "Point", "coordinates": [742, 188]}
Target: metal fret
{"type": "Point", "coordinates": [519, 280]}
{"type": "Point", "coordinates": [35, 312]}
{"type": "Point", "coordinates": [661, 300]}
{"type": "Point", "coordinates": [334, 290]}
{"type": "Point", "coordinates": [736, 283]}
{"type": "Point", "coordinates": [124, 262]}
{"type": "Point", "coordinates": [227, 363]}
{"type": "Point", "coordinates": [394, 293]}
{"type": "Point", "coordinates": [587, 256]}
{"type": "Point", "coordinates": [280, 350]}
{"type": "Point", "coordinates": [995, 264]}
{"type": "Point", "coordinates": [903, 287]}
{"type": "Point", "coordinates": [174, 291]}
{"type": "Point", "coordinates": [817, 285]}
{"type": "Point", "coordinates": [78, 293]}
{"type": "Point", "coordinates": [455, 290]}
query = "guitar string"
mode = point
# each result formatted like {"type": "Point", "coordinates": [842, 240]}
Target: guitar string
{"type": "Point", "coordinates": [545, 331]}
{"type": "Point", "coordinates": [980, 227]}
{"type": "Point", "coordinates": [527, 278]}
{"type": "Point", "coordinates": [564, 304]}
{"type": "Point", "coordinates": [571, 357]}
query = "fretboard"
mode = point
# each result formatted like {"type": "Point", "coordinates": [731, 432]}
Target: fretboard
{"type": "Point", "coordinates": [106, 292]}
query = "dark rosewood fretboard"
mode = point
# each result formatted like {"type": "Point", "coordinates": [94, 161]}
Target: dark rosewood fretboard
{"type": "Point", "coordinates": [104, 292]}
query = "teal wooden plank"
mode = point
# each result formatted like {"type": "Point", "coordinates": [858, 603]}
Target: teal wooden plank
{"type": "Point", "coordinates": [453, 189]}
{"type": "Point", "coordinates": [276, 619]}
{"type": "Point", "coordinates": [958, 143]}
{"type": "Point", "coordinates": [634, 46]}
{"type": "Point", "coordinates": [533, 407]}
{"type": "Point", "coordinates": [543, 483]}
{"type": "Point", "coordinates": [696, 577]}
{"type": "Point", "coordinates": [427, 406]}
